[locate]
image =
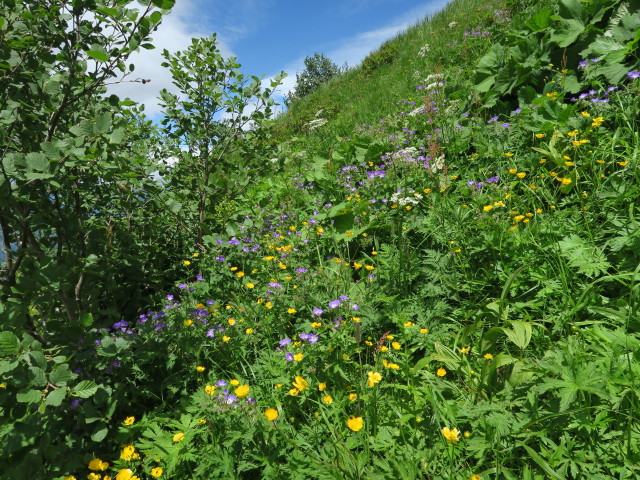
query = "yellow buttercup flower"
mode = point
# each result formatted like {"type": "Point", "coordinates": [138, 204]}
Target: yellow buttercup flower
{"type": "Point", "coordinates": [451, 435]}
{"type": "Point", "coordinates": [488, 356]}
{"type": "Point", "coordinates": [97, 464]}
{"type": "Point", "coordinates": [271, 414]}
{"type": "Point", "coordinates": [200, 368]}
{"type": "Point", "coordinates": [322, 386]}
{"type": "Point", "coordinates": [355, 423]}
{"type": "Point", "coordinates": [127, 452]}
{"type": "Point", "coordinates": [94, 476]}
{"type": "Point", "coordinates": [242, 391]}
{"type": "Point", "coordinates": [373, 378]}
{"type": "Point", "coordinates": [156, 472]}
{"type": "Point", "coordinates": [129, 420]}
{"type": "Point", "coordinates": [465, 350]}
{"type": "Point", "coordinates": [210, 389]}
{"type": "Point", "coordinates": [298, 356]}
{"type": "Point", "coordinates": [353, 397]}
{"type": "Point", "coordinates": [441, 372]}
{"type": "Point", "coordinates": [300, 383]}
{"type": "Point", "coordinates": [125, 474]}
{"type": "Point", "coordinates": [187, 262]}
{"type": "Point", "coordinates": [327, 399]}
{"type": "Point", "coordinates": [178, 437]}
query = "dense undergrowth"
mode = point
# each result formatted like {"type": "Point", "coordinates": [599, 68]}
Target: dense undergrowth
{"type": "Point", "coordinates": [440, 281]}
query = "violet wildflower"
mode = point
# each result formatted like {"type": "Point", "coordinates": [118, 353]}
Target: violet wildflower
{"type": "Point", "coordinates": [334, 304]}
{"type": "Point", "coordinates": [289, 357]}
{"type": "Point", "coordinates": [284, 342]}
{"type": "Point", "coordinates": [317, 311]}
{"type": "Point", "coordinates": [633, 74]}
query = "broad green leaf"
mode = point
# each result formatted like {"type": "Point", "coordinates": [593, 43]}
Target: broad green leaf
{"type": "Point", "coordinates": [163, 4]}
{"type": "Point", "coordinates": [7, 366]}
{"type": "Point", "coordinates": [55, 397]}
{"type": "Point", "coordinates": [98, 55]}
{"type": "Point", "coordinates": [99, 434]}
{"type": "Point", "coordinates": [37, 161]}
{"type": "Point", "coordinates": [567, 32]}
{"type": "Point", "coordinates": [85, 389]}
{"type": "Point", "coordinates": [29, 396]}
{"type": "Point", "coordinates": [8, 344]}
{"type": "Point", "coordinates": [39, 359]}
{"type": "Point", "coordinates": [38, 378]}
{"type": "Point", "coordinates": [540, 20]}
{"type": "Point", "coordinates": [520, 333]}
{"type": "Point", "coordinates": [61, 375]}
{"type": "Point", "coordinates": [102, 123]}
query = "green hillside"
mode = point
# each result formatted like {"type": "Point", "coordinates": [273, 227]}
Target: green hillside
{"type": "Point", "coordinates": [427, 268]}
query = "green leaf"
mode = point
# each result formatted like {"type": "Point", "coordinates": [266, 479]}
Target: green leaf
{"type": "Point", "coordinates": [540, 20]}
{"type": "Point", "coordinates": [567, 32]}
{"type": "Point", "coordinates": [39, 359]}
{"type": "Point", "coordinates": [29, 396]}
{"type": "Point", "coordinates": [163, 4]}
{"type": "Point", "coordinates": [99, 434]}
{"type": "Point", "coordinates": [103, 122]}
{"type": "Point", "coordinates": [55, 397]}
{"type": "Point", "coordinates": [38, 379]}
{"type": "Point", "coordinates": [551, 473]}
{"type": "Point", "coordinates": [37, 161]}
{"type": "Point", "coordinates": [7, 366]}
{"type": "Point", "coordinates": [98, 55]}
{"type": "Point", "coordinates": [520, 333]}
{"type": "Point", "coordinates": [8, 344]}
{"type": "Point", "coordinates": [85, 389]}
{"type": "Point", "coordinates": [61, 375]}
{"type": "Point", "coordinates": [86, 319]}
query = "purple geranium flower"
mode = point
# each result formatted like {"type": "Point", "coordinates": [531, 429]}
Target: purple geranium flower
{"type": "Point", "coordinates": [318, 311]}
{"type": "Point", "coordinates": [334, 304]}
{"type": "Point", "coordinates": [284, 341]}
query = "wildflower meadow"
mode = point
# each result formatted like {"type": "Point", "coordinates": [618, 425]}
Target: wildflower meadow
{"type": "Point", "coordinates": [439, 281]}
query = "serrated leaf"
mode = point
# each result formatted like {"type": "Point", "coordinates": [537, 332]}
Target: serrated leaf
{"type": "Point", "coordinates": [102, 123]}
{"type": "Point", "coordinates": [85, 389]}
{"type": "Point", "coordinates": [38, 377]}
{"type": "Point", "coordinates": [61, 375]}
{"type": "Point", "coordinates": [55, 397]}
{"type": "Point", "coordinates": [567, 32]}
{"type": "Point", "coordinates": [39, 359]}
{"type": "Point", "coordinates": [8, 344]}
{"type": "Point", "coordinates": [29, 396]}
{"type": "Point", "coordinates": [7, 366]}
{"type": "Point", "coordinates": [117, 135]}
{"type": "Point", "coordinates": [37, 161]}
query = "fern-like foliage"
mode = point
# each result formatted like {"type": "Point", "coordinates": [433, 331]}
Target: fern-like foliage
{"type": "Point", "coordinates": [587, 259]}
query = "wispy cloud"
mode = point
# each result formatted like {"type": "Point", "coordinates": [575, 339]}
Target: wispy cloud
{"type": "Point", "coordinates": [353, 50]}
{"type": "Point", "coordinates": [173, 34]}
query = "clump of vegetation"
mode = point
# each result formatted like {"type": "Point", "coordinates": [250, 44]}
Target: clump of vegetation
{"type": "Point", "coordinates": [386, 55]}
{"type": "Point", "coordinates": [440, 282]}
{"type": "Point", "coordinates": [318, 70]}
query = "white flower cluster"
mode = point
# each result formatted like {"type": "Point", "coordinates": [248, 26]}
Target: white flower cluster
{"type": "Point", "coordinates": [414, 199]}
{"type": "Point", "coordinates": [453, 24]}
{"type": "Point", "coordinates": [313, 124]}
{"type": "Point", "coordinates": [424, 51]}
{"type": "Point", "coordinates": [437, 164]}
{"type": "Point", "coordinates": [408, 153]}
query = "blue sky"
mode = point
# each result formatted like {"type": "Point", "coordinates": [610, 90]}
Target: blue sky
{"type": "Point", "coordinates": [269, 36]}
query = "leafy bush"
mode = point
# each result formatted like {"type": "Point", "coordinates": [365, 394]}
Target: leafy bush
{"type": "Point", "coordinates": [318, 70]}
{"type": "Point", "coordinates": [385, 56]}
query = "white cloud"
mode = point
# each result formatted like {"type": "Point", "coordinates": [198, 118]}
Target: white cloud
{"type": "Point", "coordinates": [174, 34]}
{"type": "Point", "coordinates": [353, 50]}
